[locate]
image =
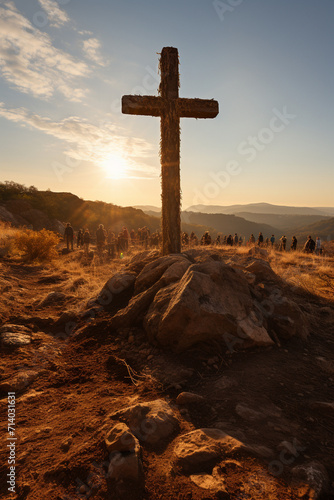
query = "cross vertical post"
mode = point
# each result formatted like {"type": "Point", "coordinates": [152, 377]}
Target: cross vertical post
{"type": "Point", "coordinates": [170, 107]}
{"type": "Point", "coordinates": [170, 152]}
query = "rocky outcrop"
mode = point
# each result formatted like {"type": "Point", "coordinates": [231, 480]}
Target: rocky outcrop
{"type": "Point", "coordinates": [210, 301]}
{"type": "Point", "coordinates": [184, 299]}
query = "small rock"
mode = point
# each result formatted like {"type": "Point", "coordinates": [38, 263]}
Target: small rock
{"type": "Point", "coordinates": [195, 449]}
{"type": "Point", "coordinates": [185, 398]}
{"type": "Point", "coordinates": [66, 444]}
{"type": "Point", "coordinates": [247, 413]}
{"type": "Point", "coordinates": [53, 297]}
{"type": "Point", "coordinates": [19, 382]}
{"type": "Point", "coordinates": [311, 479]}
{"type": "Point", "coordinates": [324, 407]}
{"type": "Point", "coordinates": [210, 482]}
{"type": "Point", "coordinates": [125, 466]}
{"type": "Point", "coordinates": [14, 336]}
{"type": "Point", "coordinates": [120, 438]}
{"type": "Point", "coordinates": [150, 422]}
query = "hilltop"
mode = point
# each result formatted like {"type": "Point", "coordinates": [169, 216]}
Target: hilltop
{"type": "Point", "coordinates": [132, 404]}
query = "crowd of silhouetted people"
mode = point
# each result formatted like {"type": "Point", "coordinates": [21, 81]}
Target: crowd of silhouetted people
{"type": "Point", "coordinates": [117, 244]}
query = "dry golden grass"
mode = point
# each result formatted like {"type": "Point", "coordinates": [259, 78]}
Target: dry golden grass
{"type": "Point", "coordinates": [313, 273]}
{"type": "Point", "coordinates": [84, 279]}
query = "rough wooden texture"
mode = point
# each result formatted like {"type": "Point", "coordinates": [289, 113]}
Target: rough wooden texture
{"type": "Point", "coordinates": [170, 153]}
{"type": "Point", "coordinates": [170, 108]}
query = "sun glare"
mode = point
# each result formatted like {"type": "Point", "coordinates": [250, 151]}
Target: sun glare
{"type": "Point", "coordinates": [115, 166]}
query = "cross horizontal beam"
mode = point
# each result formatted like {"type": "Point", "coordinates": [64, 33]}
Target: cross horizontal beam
{"type": "Point", "coordinates": [142, 105]}
{"type": "Point", "coordinates": [197, 108]}
{"type": "Point", "coordinates": [156, 106]}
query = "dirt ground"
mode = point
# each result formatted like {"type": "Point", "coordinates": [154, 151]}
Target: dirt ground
{"type": "Point", "coordinates": [263, 397]}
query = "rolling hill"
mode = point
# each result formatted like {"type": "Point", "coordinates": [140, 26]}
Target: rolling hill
{"type": "Point", "coordinates": [23, 206]}
{"type": "Point", "coordinates": [324, 229]}
{"type": "Point", "coordinates": [261, 208]}
{"type": "Point", "coordinates": [283, 222]}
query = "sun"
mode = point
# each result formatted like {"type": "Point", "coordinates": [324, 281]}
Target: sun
{"type": "Point", "coordinates": [115, 166]}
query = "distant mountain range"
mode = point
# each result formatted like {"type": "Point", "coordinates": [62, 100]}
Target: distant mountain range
{"type": "Point", "coordinates": [256, 217]}
{"type": "Point", "coordinates": [262, 208]}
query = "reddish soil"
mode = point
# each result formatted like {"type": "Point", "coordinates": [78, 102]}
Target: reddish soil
{"type": "Point", "coordinates": [81, 384]}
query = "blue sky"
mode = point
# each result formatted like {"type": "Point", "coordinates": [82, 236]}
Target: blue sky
{"type": "Point", "coordinates": [64, 65]}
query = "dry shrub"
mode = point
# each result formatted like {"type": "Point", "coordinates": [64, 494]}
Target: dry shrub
{"type": "Point", "coordinates": [36, 245]}
{"type": "Point", "coordinates": [7, 235]}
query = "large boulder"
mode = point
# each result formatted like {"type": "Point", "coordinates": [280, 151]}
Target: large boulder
{"type": "Point", "coordinates": [210, 301]}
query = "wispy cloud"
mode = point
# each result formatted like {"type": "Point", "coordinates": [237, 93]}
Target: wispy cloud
{"type": "Point", "coordinates": [57, 17]}
{"type": "Point", "coordinates": [30, 62]}
{"type": "Point", "coordinates": [88, 142]}
{"type": "Point", "coordinates": [91, 48]}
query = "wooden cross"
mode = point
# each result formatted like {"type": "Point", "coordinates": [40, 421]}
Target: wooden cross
{"type": "Point", "coordinates": [170, 107]}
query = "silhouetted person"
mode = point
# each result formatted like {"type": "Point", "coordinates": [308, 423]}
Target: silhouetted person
{"type": "Point", "coordinates": [206, 238]}
{"type": "Point", "coordinates": [252, 238]}
{"type": "Point", "coordinates": [283, 243]}
{"type": "Point", "coordinates": [229, 240]}
{"type": "Point", "coordinates": [111, 244]}
{"type": "Point", "coordinates": [86, 241]}
{"type": "Point", "coordinates": [294, 243]}
{"type": "Point", "coordinates": [69, 234]}
{"type": "Point", "coordinates": [272, 240]}
{"type": "Point", "coordinates": [260, 239]}
{"type": "Point", "coordinates": [80, 238]}
{"type": "Point", "coordinates": [318, 249]}
{"type": "Point", "coordinates": [309, 245]}
{"type": "Point", "coordinates": [101, 237]}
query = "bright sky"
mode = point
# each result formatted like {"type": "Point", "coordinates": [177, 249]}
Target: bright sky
{"type": "Point", "coordinates": [64, 65]}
